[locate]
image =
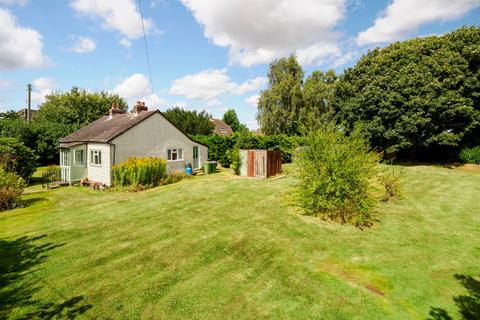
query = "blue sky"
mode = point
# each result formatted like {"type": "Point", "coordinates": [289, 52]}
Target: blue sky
{"type": "Point", "coordinates": [205, 54]}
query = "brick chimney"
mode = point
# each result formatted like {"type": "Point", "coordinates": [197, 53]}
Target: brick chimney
{"type": "Point", "coordinates": [139, 107]}
{"type": "Point", "coordinates": [114, 110]}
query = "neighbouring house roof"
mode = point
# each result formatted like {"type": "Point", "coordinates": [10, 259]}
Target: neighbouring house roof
{"type": "Point", "coordinates": [22, 113]}
{"type": "Point", "coordinates": [221, 128]}
{"type": "Point", "coordinates": [107, 128]}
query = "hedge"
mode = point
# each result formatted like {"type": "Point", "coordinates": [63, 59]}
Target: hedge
{"type": "Point", "coordinates": [221, 148]}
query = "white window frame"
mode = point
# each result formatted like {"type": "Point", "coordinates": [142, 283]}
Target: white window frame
{"type": "Point", "coordinates": [94, 155]}
{"type": "Point", "coordinates": [79, 151]}
{"type": "Point", "coordinates": [65, 157]}
{"type": "Point", "coordinates": [178, 152]}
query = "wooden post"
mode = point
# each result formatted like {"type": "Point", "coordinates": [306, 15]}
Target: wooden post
{"type": "Point", "coordinates": [29, 116]}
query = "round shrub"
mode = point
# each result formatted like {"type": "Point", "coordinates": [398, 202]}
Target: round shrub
{"type": "Point", "coordinates": [16, 157]}
{"type": "Point", "coordinates": [334, 176]}
{"type": "Point", "coordinates": [11, 189]}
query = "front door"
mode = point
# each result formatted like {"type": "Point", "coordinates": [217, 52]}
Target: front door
{"type": "Point", "coordinates": [195, 163]}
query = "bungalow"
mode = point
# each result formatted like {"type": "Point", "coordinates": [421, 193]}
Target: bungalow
{"type": "Point", "coordinates": [92, 151]}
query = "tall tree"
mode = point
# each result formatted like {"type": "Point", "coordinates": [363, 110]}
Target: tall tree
{"type": "Point", "coordinates": [230, 118]}
{"type": "Point", "coordinates": [280, 103]}
{"type": "Point", "coordinates": [78, 106]}
{"type": "Point", "coordinates": [416, 98]}
{"type": "Point", "coordinates": [318, 94]}
{"type": "Point", "coordinates": [190, 122]}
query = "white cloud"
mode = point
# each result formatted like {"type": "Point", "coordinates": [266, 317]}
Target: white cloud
{"type": "Point", "coordinates": [318, 53]}
{"type": "Point", "coordinates": [42, 87]}
{"type": "Point", "coordinates": [14, 2]}
{"type": "Point", "coordinates": [214, 103]}
{"type": "Point", "coordinates": [137, 87]}
{"type": "Point", "coordinates": [205, 85]}
{"type": "Point", "coordinates": [153, 101]}
{"type": "Point", "coordinates": [344, 58]}
{"type": "Point", "coordinates": [20, 47]}
{"type": "Point", "coordinates": [260, 31]}
{"type": "Point", "coordinates": [250, 85]}
{"type": "Point", "coordinates": [119, 15]}
{"type": "Point", "coordinates": [253, 100]}
{"type": "Point", "coordinates": [209, 84]}
{"type": "Point", "coordinates": [81, 44]}
{"type": "Point", "coordinates": [402, 17]}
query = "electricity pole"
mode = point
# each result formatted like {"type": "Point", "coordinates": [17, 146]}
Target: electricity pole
{"type": "Point", "coordinates": [29, 88]}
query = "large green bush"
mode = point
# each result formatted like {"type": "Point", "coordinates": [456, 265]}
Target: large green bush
{"type": "Point", "coordinates": [470, 155]}
{"type": "Point", "coordinates": [11, 189]}
{"type": "Point", "coordinates": [147, 172]}
{"type": "Point", "coordinates": [334, 174]}
{"type": "Point", "coordinates": [16, 157]}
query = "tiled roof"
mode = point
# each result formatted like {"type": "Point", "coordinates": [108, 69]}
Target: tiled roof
{"type": "Point", "coordinates": [221, 128]}
{"type": "Point", "coordinates": [107, 128]}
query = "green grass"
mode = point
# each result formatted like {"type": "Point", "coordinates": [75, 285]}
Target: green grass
{"type": "Point", "coordinates": [221, 247]}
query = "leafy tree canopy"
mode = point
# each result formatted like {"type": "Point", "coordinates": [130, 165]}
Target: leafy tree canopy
{"type": "Point", "coordinates": [291, 106]}
{"type": "Point", "coordinates": [416, 97]}
{"type": "Point", "coordinates": [278, 105]}
{"type": "Point", "coordinates": [190, 122]}
{"type": "Point", "coordinates": [78, 106]}
{"type": "Point", "coordinates": [230, 118]}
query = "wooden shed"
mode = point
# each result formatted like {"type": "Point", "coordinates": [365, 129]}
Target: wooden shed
{"type": "Point", "coordinates": [260, 163]}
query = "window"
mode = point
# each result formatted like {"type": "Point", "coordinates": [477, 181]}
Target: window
{"type": "Point", "coordinates": [174, 154]}
{"type": "Point", "coordinates": [96, 157]}
{"type": "Point", "coordinates": [223, 129]}
{"type": "Point", "coordinates": [79, 157]}
{"type": "Point", "coordinates": [65, 157]}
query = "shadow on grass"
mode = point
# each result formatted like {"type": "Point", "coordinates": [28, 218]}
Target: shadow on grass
{"type": "Point", "coordinates": [34, 181]}
{"type": "Point", "coordinates": [19, 260]}
{"type": "Point", "coordinates": [468, 305]}
{"type": "Point", "coordinates": [31, 201]}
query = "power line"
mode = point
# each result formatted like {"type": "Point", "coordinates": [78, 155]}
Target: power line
{"type": "Point", "coordinates": [146, 47]}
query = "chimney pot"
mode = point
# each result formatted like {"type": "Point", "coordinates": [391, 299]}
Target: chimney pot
{"type": "Point", "coordinates": [139, 107]}
{"type": "Point", "coordinates": [114, 110]}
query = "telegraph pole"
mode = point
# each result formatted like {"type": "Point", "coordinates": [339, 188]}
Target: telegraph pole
{"type": "Point", "coordinates": [29, 88]}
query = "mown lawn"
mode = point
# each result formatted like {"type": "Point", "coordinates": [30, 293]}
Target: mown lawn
{"type": "Point", "coordinates": [222, 247]}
